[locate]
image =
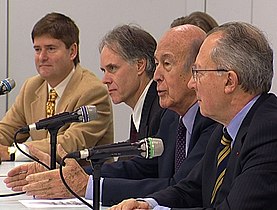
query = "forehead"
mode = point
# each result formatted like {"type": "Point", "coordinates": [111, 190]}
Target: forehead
{"type": "Point", "coordinates": [47, 40]}
{"type": "Point", "coordinates": [108, 53]}
{"type": "Point", "coordinates": [171, 44]}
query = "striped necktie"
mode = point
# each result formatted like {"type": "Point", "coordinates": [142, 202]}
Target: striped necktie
{"type": "Point", "coordinates": [50, 105]}
{"type": "Point", "coordinates": [222, 160]}
{"type": "Point", "coordinates": [180, 150]}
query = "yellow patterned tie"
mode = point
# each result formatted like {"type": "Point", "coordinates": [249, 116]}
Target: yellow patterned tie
{"type": "Point", "coordinates": [50, 105]}
{"type": "Point", "coordinates": [222, 160]}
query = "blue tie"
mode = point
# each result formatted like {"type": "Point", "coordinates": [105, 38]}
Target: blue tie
{"type": "Point", "coordinates": [180, 150]}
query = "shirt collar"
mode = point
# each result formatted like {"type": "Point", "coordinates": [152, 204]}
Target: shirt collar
{"type": "Point", "coordinates": [189, 117]}
{"type": "Point", "coordinates": [139, 105]}
{"type": "Point", "coordinates": [236, 122]}
{"type": "Point", "coordinates": [61, 86]}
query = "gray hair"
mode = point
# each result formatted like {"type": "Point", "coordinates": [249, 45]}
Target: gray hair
{"type": "Point", "coordinates": [245, 49]}
{"type": "Point", "coordinates": [132, 43]}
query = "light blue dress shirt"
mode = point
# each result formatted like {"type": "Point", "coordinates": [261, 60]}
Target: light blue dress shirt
{"type": "Point", "coordinates": [232, 129]}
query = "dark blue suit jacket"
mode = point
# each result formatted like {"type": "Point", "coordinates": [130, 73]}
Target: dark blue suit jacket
{"type": "Point", "coordinates": [251, 176]}
{"type": "Point", "coordinates": [138, 177]}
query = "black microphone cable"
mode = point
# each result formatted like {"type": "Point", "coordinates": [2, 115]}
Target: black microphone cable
{"type": "Point", "coordinates": [67, 186]}
{"type": "Point", "coordinates": [11, 194]}
{"type": "Point", "coordinates": [26, 154]}
{"type": "Point", "coordinates": [29, 156]}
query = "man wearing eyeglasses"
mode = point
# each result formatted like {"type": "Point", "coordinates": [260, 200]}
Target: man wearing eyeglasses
{"type": "Point", "coordinates": [232, 76]}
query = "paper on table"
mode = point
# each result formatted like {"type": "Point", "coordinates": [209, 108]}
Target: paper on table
{"type": "Point", "coordinates": [58, 203]}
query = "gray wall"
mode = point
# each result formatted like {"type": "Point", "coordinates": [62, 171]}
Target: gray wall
{"type": "Point", "coordinates": [95, 18]}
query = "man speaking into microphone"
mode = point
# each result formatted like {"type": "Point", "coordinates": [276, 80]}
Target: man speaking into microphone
{"type": "Point", "coordinates": [62, 85]}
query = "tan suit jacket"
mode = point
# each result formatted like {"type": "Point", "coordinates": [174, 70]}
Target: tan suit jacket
{"type": "Point", "coordinates": [29, 107]}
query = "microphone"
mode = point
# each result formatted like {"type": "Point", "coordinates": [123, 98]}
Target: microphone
{"type": "Point", "coordinates": [83, 114]}
{"type": "Point", "coordinates": [6, 86]}
{"type": "Point", "coordinates": [147, 148]}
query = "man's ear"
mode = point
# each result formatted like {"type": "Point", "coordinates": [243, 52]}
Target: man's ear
{"type": "Point", "coordinates": [231, 82]}
{"type": "Point", "coordinates": [73, 51]}
{"type": "Point", "coordinates": [141, 66]}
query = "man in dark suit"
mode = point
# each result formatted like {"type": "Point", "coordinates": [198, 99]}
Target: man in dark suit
{"type": "Point", "coordinates": [139, 176]}
{"type": "Point", "coordinates": [235, 67]}
{"type": "Point", "coordinates": [172, 75]}
{"type": "Point", "coordinates": [127, 61]}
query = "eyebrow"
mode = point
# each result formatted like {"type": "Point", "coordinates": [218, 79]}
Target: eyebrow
{"type": "Point", "coordinates": [48, 45]}
{"type": "Point", "coordinates": [165, 56]}
{"type": "Point", "coordinates": [110, 65]}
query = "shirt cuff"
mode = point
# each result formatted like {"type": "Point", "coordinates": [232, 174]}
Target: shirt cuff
{"type": "Point", "coordinates": [153, 204]}
{"type": "Point", "coordinates": [20, 156]}
{"type": "Point", "coordinates": [89, 190]}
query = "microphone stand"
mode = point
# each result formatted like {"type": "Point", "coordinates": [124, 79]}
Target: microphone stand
{"type": "Point", "coordinates": [96, 164]}
{"type": "Point", "coordinates": [53, 145]}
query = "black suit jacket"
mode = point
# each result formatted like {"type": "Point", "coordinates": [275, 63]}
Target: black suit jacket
{"type": "Point", "coordinates": [150, 117]}
{"type": "Point", "coordinates": [251, 176]}
{"type": "Point", "coordinates": [138, 177]}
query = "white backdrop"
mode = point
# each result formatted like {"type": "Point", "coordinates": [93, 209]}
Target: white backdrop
{"type": "Point", "coordinates": [96, 17]}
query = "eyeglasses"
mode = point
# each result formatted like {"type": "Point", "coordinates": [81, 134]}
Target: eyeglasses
{"type": "Point", "coordinates": [195, 72]}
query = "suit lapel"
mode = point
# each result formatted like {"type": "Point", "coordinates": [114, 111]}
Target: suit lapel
{"type": "Point", "coordinates": [232, 167]}
{"type": "Point", "coordinates": [40, 101]}
{"type": "Point", "coordinates": [147, 105]}
{"type": "Point", "coordinates": [195, 131]}
{"type": "Point", "coordinates": [38, 107]}
{"type": "Point", "coordinates": [68, 92]}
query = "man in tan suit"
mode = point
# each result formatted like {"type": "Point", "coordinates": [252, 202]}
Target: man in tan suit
{"type": "Point", "coordinates": [56, 45]}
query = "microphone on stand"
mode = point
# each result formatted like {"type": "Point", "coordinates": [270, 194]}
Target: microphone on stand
{"type": "Point", "coordinates": [83, 114]}
{"type": "Point", "coordinates": [6, 86]}
{"type": "Point", "coordinates": [147, 148]}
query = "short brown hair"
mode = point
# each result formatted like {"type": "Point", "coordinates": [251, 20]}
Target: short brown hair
{"type": "Point", "coordinates": [200, 19]}
{"type": "Point", "coordinates": [59, 27]}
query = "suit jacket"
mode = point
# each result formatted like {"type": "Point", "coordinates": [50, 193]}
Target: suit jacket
{"type": "Point", "coordinates": [30, 105]}
{"type": "Point", "coordinates": [251, 176]}
{"type": "Point", "coordinates": [138, 177]}
{"type": "Point", "coordinates": [150, 117]}
{"type": "Point", "coordinates": [152, 113]}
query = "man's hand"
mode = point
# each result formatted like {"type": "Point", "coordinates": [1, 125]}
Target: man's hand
{"type": "Point", "coordinates": [48, 184]}
{"type": "Point", "coordinates": [130, 204]}
{"type": "Point", "coordinates": [4, 155]}
{"type": "Point", "coordinates": [16, 177]}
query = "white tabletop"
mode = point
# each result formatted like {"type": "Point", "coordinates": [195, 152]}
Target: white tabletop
{"type": "Point", "coordinates": [12, 202]}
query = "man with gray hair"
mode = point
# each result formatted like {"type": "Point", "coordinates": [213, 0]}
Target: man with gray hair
{"type": "Point", "coordinates": [127, 61]}
{"type": "Point", "coordinates": [232, 76]}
